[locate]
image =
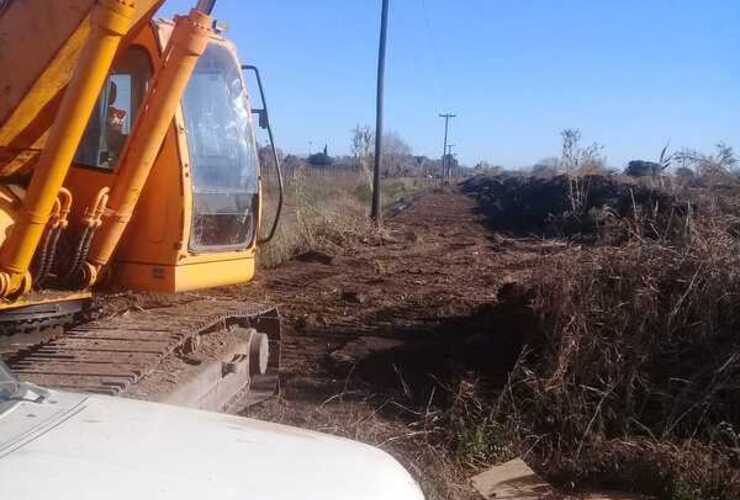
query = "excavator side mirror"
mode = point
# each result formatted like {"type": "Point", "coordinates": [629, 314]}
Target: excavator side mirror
{"type": "Point", "coordinates": [263, 119]}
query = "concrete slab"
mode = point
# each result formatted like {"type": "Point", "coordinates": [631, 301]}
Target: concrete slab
{"type": "Point", "coordinates": [610, 495]}
{"type": "Point", "coordinates": [513, 480]}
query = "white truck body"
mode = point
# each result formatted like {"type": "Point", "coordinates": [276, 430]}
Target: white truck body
{"type": "Point", "coordinates": [74, 446]}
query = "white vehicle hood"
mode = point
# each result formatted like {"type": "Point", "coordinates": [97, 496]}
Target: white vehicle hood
{"type": "Point", "coordinates": [79, 447]}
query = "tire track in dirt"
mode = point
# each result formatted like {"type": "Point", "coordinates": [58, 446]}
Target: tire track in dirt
{"type": "Point", "coordinates": [432, 264]}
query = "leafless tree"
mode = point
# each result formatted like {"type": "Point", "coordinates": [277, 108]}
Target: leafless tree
{"type": "Point", "coordinates": [363, 143]}
{"type": "Point", "coordinates": [712, 167]}
{"type": "Point", "coordinates": [397, 159]}
{"type": "Point", "coordinates": [578, 161]}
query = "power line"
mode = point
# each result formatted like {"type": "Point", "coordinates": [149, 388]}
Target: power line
{"type": "Point", "coordinates": [433, 47]}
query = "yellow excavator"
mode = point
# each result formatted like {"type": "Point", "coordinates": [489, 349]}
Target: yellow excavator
{"type": "Point", "coordinates": [128, 160]}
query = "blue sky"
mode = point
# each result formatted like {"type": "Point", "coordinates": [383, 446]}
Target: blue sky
{"type": "Point", "coordinates": [630, 74]}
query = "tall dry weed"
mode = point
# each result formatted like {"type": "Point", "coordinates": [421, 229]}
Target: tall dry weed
{"type": "Point", "coordinates": [321, 211]}
{"type": "Point", "coordinates": [325, 209]}
{"type": "Point", "coordinates": [639, 343]}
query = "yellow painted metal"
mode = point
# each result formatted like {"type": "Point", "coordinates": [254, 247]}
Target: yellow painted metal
{"type": "Point", "coordinates": [47, 34]}
{"type": "Point", "coordinates": [153, 252]}
{"type": "Point", "coordinates": [11, 201]}
{"type": "Point", "coordinates": [94, 214]}
{"type": "Point", "coordinates": [189, 40]}
{"type": "Point", "coordinates": [11, 206]}
{"type": "Point", "coordinates": [210, 272]}
{"type": "Point", "coordinates": [44, 297]}
{"type": "Point", "coordinates": [86, 184]}
{"type": "Point", "coordinates": [111, 20]}
{"type": "Point", "coordinates": [41, 42]}
{"type": "Point", "coordinates": [62, 209]}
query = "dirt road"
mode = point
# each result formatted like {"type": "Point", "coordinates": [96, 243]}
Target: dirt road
{"type": "Point", "coordinates": [432, 269]}
{"type": "Point", "coordinates": [371, 331]}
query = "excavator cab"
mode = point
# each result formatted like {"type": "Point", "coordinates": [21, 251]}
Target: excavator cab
{"type": "Point", "coordinates": [158, 189]}
{"type": "Point", "coordinates": [197, 220]}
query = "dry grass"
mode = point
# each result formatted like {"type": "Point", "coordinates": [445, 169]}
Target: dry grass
{"type": "Point", "coordinates": [630, 381]}
{"type": "Point", "coordinates": [633, 380]}
{"type": "Point", "coordinates": [323, 209]}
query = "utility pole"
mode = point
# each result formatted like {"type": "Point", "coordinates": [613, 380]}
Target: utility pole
{"type": "Point", "coordinates": [448, 159]}
{"type": "Point", "coordinates": [447, 117]}
{"type": "Point", "coordinates": [205, 6]}
{"type": "Point", "coordinates": [375, 211]}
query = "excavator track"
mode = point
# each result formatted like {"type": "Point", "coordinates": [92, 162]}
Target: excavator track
{"type": "Point", "coordinates": [153, 353]}
{"type": "Point", "coordinates": [40, 318]}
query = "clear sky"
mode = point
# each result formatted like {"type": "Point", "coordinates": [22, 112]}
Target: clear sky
{"type": "Point", "coordinates": [630, 74]}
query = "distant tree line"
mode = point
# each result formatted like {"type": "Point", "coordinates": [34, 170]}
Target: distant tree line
{"type": "Point", "coordinates": [398, 157]}
{"type": "Point", "coordinates": [577, 160]}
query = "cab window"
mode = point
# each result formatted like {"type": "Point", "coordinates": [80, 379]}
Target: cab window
{"type": "Point", "coordinates": [222, 151]}
{"type": "Point", "coordinates": [113, 117]}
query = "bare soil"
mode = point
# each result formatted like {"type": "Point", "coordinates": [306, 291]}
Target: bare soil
{"type": "Point", "coordinates": [371, 333]}
{"type": "Point", "coordinates": [431, 271]}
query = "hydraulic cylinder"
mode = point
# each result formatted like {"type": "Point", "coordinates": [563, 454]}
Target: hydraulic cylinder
{"type": "Point", "coordinates": [111, 20]}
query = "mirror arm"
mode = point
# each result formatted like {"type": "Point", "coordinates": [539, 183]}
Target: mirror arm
{"type": "Point", "coordinates": [264, 113]}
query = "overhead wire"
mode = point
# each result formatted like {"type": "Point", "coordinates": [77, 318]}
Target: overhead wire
{"type": "Point", "coordinates": [433, 47]}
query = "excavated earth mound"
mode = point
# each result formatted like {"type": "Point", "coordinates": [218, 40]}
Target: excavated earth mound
{"type": "Point", "coordinates": [564, 205]}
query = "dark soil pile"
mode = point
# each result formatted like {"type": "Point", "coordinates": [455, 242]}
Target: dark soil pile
{"type": "Point", "coordinates": [567, 206]}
